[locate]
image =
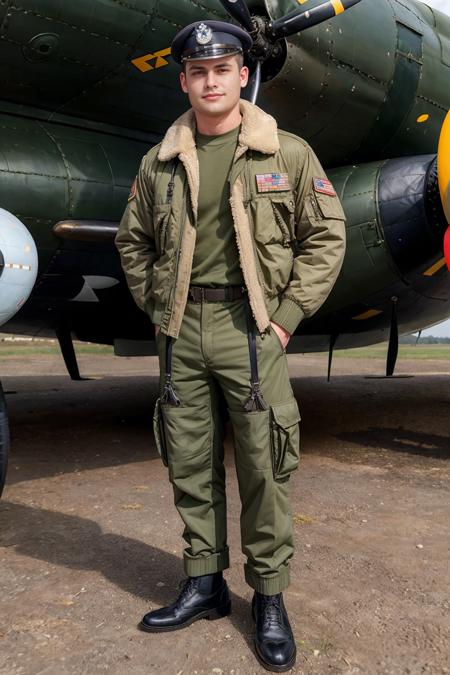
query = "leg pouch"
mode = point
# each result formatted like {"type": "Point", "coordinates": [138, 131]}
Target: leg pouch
{"type": "Point", "coordinates": [159, 432]}
{"type": "Point", "coordinates": [285, 438]}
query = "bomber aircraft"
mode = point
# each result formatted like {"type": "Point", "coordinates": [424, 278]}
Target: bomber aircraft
{"type": "Point", "coordinates": [89, 86]}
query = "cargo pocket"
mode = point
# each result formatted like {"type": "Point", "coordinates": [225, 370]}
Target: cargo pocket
{"type": "Point", "coordinates": [285, 438]}
{"type": "Point", "coordinates": [159, 432]}
{"type": "Point", "coordinates": [321, 207]}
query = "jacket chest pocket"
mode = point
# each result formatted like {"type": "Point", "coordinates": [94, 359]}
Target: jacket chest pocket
{"type": "Point", "coordinates": [161, 217]}
{"type": "Point", "coordinates": [273, 219]}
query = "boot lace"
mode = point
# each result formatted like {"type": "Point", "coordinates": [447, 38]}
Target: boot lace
{"type": "Point", "coordinates": [272, 611]}
{"type": "Point", "coordinates": [187, 586]}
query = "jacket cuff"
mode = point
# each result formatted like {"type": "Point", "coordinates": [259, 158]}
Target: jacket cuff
{"type": "Point", "coordinates": [288, 315]}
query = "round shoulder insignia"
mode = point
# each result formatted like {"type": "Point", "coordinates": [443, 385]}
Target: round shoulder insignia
{"type": "Point", "coordinates": [203, 34]}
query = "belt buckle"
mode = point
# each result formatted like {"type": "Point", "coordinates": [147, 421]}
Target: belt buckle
{"type": "Point", "coordinates": [197, 294]}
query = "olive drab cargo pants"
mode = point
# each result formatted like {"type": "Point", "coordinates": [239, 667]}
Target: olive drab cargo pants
{"type": "Point", "coordinates": [212, 354]}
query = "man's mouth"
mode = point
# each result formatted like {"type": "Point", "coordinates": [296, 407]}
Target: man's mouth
{"type": "Point", "coordinates": [212, 97]}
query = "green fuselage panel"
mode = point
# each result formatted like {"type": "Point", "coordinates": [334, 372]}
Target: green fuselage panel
{"type": "Point", "coordinates": [354, 87]}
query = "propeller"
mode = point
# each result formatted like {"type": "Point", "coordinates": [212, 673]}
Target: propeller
{"type": "Point", "coordinates": [240, 13]}
{"type": "Point", "coordinates": [266, 33]}
{"type": "Point", "coordinates": [443, 166]}
{"type": "Point", "coordinates": [297, 21]}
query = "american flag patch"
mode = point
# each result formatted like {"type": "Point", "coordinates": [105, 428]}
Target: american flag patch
{"type": "Point", "coordinates": [324, 186]}
{"type": "Point", "coordinates": [272, 182]}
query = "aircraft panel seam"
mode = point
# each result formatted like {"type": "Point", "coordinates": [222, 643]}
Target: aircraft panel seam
{"type": "Point", "coordinates": [127, 5]}
{"type": "Point", "coordinates": [38, 15]}
{"type": "Point", "coordinates": [431, 102]}
{"type": "Point", "coordinates": [47, 175]}
{"type": "Point", "coordinates": [363, 73]}
{"type": "Point", "coordinates": [66, 164]}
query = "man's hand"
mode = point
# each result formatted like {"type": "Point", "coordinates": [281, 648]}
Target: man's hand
{"type": "Point", "coordinates": [282, 334]}
{"type": "Point", "coordinates": [157, 329]}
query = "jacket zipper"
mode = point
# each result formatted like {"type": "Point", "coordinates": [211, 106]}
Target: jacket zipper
{"type": "Point", "coordinates": [180, 238]}
{"type": "Point", "coordinates": [255, 253]}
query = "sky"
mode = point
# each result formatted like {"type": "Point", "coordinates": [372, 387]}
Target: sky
{"type": "Point", "coordinates": [441, 330]}
{"type": "Point", "coordinates": [442, 5]}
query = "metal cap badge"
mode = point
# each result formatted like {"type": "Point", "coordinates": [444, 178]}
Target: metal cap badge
{"type": "Point", "coordinates": [203, 34]}
{"type": "Point", "coordinates": [209, 40]}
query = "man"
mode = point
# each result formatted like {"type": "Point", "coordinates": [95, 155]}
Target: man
{"type": "Point", "coordinates": [232, 236]}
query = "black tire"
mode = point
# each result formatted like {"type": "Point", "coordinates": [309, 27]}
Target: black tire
{"type": "Point", "coordinates": [4, 439]}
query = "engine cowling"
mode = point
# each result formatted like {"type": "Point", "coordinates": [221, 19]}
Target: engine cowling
{"type": "Point", "coordinates": [18, 265]}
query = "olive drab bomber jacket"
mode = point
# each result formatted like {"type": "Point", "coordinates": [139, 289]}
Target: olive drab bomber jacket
{"type": "Point", "coordinates": [290, 237]}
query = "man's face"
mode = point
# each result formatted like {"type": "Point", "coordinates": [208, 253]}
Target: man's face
{"type": "Point", "coordinates": [214, 86]}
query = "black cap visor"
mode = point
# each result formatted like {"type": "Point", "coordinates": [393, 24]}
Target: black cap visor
{"type": "Point", "coordinates": [210, 52]}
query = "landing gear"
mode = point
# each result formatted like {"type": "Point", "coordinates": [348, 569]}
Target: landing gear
{"type": "Point", "coordinates": [68, 352]}
{"type": "Point", "coordinates": [392, 348]}
{"type": "Point", "coordinates": [4, 439]}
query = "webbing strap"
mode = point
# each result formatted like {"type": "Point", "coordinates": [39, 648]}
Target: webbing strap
{"type": "Point", "coordinates": [169, 396]}
{"type": "Point", "coordinates": [256, 400]}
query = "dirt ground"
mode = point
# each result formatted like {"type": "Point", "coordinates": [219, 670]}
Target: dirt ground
{"type": "Point", "coordinates": [90, 540]}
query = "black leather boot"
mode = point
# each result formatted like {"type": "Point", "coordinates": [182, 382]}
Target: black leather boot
{"type": "Point", "coordinates": [274, 641]}
{"type": "Point", "coordinates": [204, 597]}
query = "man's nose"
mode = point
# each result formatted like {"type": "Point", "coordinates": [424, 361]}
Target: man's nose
{"type": "Point", "coordinates": [211, 79]}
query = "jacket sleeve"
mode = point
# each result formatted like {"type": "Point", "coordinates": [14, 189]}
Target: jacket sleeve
{"type": "Point", "coordinates": [320, 232]}
{"type": "Point", "coordinates": [135, 241]}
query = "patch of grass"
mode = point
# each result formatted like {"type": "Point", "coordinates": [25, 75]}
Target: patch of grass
{"type": "Point", "coordinates": [318, 647]}
{"type": "Point", "coordinates": [300, 519]}
{"type": "Point", "coordinates": [19, 349]}
{"type": "Point", "coordinates": [426, 352]}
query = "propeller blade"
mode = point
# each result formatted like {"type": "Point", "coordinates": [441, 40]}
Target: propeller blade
{"type": "Point", "coordinates": [256, 83]}
{"type": "Point", "coordinates": [239, 11]}
{"type": "Point", "coordinates": [443, 168]}
{"type": "Point", "coordinates": [297, 21]}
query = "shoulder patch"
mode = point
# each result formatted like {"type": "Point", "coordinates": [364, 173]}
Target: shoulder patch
{"type": "Point", "coordinates": [324, 186]}
{"type": "Point", "coordinates": [132, 194]}
{"type": "Point", "coordinates": [272, 182]}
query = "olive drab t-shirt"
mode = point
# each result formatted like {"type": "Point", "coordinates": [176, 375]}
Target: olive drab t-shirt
{"type": "Point", "coordinates": [216, 257]}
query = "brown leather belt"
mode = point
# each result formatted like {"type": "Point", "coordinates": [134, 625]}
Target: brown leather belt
{"type": "Point", "coordinates": [227, 294]}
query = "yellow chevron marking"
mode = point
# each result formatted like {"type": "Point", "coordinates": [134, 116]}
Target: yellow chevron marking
{"type": "Point", "coordinates": [422, 118]}
{"type": "Point", "coordinates": [434, 268]}
{"type": "Point", "coordinates": [367, 315]}
{"type": "Point", "coordinates": [142, 62]}
{"type": "Point", "coordinates": [302, 2]}
{"type": "Point", "coordinates": [338, 6]}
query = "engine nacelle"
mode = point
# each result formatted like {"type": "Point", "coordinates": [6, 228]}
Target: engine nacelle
{"type": "Point", "coordinates": [18, 265]}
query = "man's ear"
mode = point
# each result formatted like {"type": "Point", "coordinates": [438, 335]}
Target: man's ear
{"type": "Point", "coordinates": [183, 82]}
{"type": "Point", "coordinates": [244, 73]}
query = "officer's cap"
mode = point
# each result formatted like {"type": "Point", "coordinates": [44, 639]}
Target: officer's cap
{"type": "Point", "coordinates": [209, 40]}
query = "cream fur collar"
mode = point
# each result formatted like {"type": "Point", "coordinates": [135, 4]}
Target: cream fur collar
{"type": "Point", "coordinates": [258, 132]}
